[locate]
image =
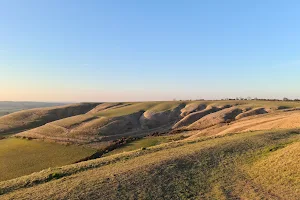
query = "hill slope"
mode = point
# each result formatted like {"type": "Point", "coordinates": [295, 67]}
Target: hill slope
{"type": "Point", "coordinates": [193, 150]}
{"type": "Point", "coordinates": [111, 121]}
{"type": "Point", "coordinates": [108, 122]}
{"type": "Point", "coordinates": [7, 107]}
{"type": "Point", "coordinates": [236, 166]}
{"type": "Point", "coordinates": [39, 116]}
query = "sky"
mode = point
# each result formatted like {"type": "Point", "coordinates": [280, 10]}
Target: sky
{"type": "Point", "coordinates": [63, 50]}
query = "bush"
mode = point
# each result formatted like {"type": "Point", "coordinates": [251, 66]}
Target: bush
{"type": "Point", "coordinates": [55, 176]}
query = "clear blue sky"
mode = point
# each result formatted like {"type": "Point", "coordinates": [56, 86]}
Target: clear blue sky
{"type": "Point", "coordinates": [61, 50]}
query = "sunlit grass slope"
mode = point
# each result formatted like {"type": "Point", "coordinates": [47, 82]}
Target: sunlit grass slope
{"type": "Point", "coordinates": [7, 107]}
{"type": "Point", "coordinates": [20, 157]}
{"type": "Point", "coordinates": [146, 142]}
{"type": "Point", "coordinates": [279, 173]}
{"type": "Point", "coordinates": [129, 108]}
{"type": "Point", "coordinates": [28, 119]}
{"type": "Point", "coordinates": [126, 109]}
{"type": "Point", "coordinates": [110, 121]}
{"type": "Point", "coordinates": [226, 167]}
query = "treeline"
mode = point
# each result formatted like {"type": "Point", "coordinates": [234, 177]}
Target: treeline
{"type": "Point", "coordinates": [259, 99]}
{"type": "Point", "coordinates": [243, 99]}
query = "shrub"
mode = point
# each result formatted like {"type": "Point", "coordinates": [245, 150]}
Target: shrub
{"type": "Point", "coordinates": [55, 176]}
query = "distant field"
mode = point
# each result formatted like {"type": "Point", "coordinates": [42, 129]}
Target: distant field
{"type": "Point", "coordinates": [20, 157]}
{"type": "Point", "coordinates": [4, 112]}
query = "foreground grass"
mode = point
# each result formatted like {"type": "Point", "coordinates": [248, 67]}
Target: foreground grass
{"type": "Point", "coordinates": [278, 170]}
{"type": "Point", "coordinates": [20, 157]}
{"type": "Point", "coordinates": [228, 167]}
{"type": "Point", "coordinates": [146, 142]}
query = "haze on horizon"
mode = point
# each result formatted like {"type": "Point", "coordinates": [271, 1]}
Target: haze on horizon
{"type": "Point", "coordinates": [137, 51]}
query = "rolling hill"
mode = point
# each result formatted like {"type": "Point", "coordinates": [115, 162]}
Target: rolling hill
{"type": "Point", "coordinates": [111, 121]}
{"type": "Point", "coordinates": [240, 166]}
{"type": "Point", "coordinates": [159, 150]}
{"type": "Point", "coordinates": [32, 118]}
{"type": "Point", "coordinates": [7, 107]}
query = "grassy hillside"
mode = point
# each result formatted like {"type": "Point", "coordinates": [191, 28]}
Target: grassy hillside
{"type": "Point", "coordinates": [279, 172]}
{"type": "Point", "coordinates": [20, 157]}
{"type": "Point", "coordinates": [212, 168]}
{"type": "Point", "coordinates": [107, 122]}
{"type": "Point", "coordinates": [129, 108]}
{"type": "Point", "coordinates": [7, 107]}
{"type": "Point", "coordinates": [157, 150]}
{"type": "Point", "coordinates": [110, 121]}
{"type": "Point", "coordinates": [32, 118]}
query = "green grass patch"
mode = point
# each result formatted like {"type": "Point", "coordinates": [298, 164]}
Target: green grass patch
{"type": "Point", "coordinates": [126, 110]}
{"type": "Point", "coordinates": [163, 106]}
{"type": "Point", "coordinates": [20, 157]}
{"type": "Point", "coordinates": [139, 106]}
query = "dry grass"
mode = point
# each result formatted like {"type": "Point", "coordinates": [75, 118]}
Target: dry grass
{"type": "Point", "coordinates": [251, 165]}
{"type": "Point", "coordinates": [164, 106]}
{"type": "Point", "coordinates": [146, 142]}
{"type": "Point", "coordinates": [129, 108]}
{"type": "Point", "coordinates": [106, 106]}
{"type": "Point", "coordinates": [36, 117]}
{"type": "Point", "coordinates": [7, 107]}
{"type": "Point", "coordinates": [109, 121]}
{"type": "Point", "coordinates": [223, 116]}
{"type": "Point", "coordinates": [251, 112]}
{"type": "Point", "coordinates": [284, 120]}
{"type": "Point", "coordinates": [194, 116]}
{"type": "Point", "coordinates": [209, 169]}
{"type": "Point", "coordinates": [112, 119]}
{"type": "Point", "coordinates": [74, 121]}
{"type": "Point", "coordinates": [279, 172]}
{"type": "Point", "coordinates": [192, 107]}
